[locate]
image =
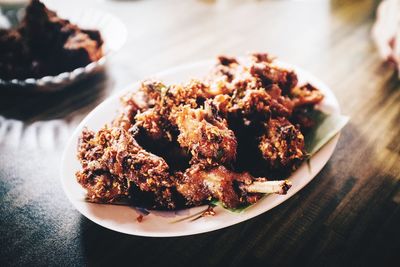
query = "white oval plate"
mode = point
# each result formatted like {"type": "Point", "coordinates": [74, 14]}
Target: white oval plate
{"type": "Point", "coordinates": [164, 223]}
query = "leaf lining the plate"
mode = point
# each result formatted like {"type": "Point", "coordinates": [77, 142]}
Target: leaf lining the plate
{"type": "Point", "coordinates": [326, 127]}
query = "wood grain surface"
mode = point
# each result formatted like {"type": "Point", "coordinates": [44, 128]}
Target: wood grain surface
{"type": "Point", "coordinates": [349, 215]}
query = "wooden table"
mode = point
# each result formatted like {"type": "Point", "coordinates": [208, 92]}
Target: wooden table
{"type": "Point", "coordinates": [348, 215]}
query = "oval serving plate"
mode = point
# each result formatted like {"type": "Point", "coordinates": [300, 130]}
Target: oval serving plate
{"type": "Point", "coordinates": [173, 223]}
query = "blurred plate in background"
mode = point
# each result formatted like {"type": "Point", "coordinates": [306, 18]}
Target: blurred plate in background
{"type": "Point", "coordinates": [114, 34]}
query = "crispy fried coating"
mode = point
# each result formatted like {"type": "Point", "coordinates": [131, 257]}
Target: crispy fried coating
{"type": "Point", "coordinates": [305, 95]}
{"type": "Point", "coordinates": [114, 154]}
{"type": "Point", "coordinates": [282, 146]}
{"type": "Point", "coordinates": [156, 120]}
{"type": "Point", "coordinates": [262, 57]}
{"type": "Point", "coordinates": [155, 125]}
{"type": "Point", "coordinates": [132, 104]}
{"type": "Point", "coordinates": [166, 97]}
{"type": "Point", "coordinates": [102, 186]}
{"type": "Point", "coordinates": [199, 184]}
{"type": "Point", "coordinates": [200, 130]}
{"type": "Point", "coordinates": [205, 135]}
{"type": "Point", "coordinates": [281, 106]}
{"type": "Point", "coordinates": [269, 74]}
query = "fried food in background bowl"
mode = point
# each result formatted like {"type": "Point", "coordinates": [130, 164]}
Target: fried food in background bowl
{"type": "Point", "coordinates": [46, 52]}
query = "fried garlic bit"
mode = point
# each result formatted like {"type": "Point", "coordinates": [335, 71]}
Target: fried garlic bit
{"type": "Point", "coordinates": [178, 144]}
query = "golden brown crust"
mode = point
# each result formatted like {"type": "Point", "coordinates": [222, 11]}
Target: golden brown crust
{"type": "Point", "coordinates": [199, 184]}
{"type": "Point", "coordinates": [111, 159]}
{"type": "Point", "coordinates": [206, 136]}
{"type": "Point", "coordinates": [282, 146]}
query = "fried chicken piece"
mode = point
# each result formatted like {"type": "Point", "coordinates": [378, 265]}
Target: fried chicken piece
{"type": "Point", "coordinates": [227, 61]}
{"type": "Point", "coordinates": [262, 57]}
{"type": "Point", "coordinates": [205, 135]}
{"type": "Point", "coordinates": [199, 184]}
{"type": "Point", "coordinates": [254, 105]}
{"type": "Point", "coordinates": [227, 76]}
{"type": "Point", "coordinates": [305, 95]}
{"type": "Point", "coordinates": [281, 106]}
{"type": "Point", "coordinates": [269, 73]}
{"type": "Point", "coordinates": [102, 186]}
{"type": "Point", "coordinates": [132, 104]}
{"type": "Point", "coordinates": [304, 99]}
{"type": "Point", "coordinates": [155, 125]}
{"type": "Point", "coordinates": [166, 97]}
{"type": "Point", "coordinates": [246, 89]}
{"type": "Point", "coordinates": [282, 146]}
{"type": "Point", "coordinates": [156, 121]}
{"type": "Point", "coordinates": [303, 117]}
{"type": "Point", "coordinates": [198, 129]}
{"type": "Point", "coordinates": [115, 151]}
{"type": "Point", "coordinates": [225, 67]}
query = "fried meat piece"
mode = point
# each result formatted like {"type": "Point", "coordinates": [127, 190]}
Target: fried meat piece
{"type": "Point", "coordinates": [269, 73]}
{"type": "Point", "coordinates": [281, 106]}
{"type": "Point", "coordinates": [254, 106]}
{"type": "Point", "coordinates": [205, 135]}
{"type": "Point", "coordinates": [282, 145]}
{"type": "Point", "coordinates": [303, 117]}
{"type": "Point", "coordinates": [199, 184]}
{"type": "Point", "coordinates": [254, 102]}
{"type": "Point", "coordinates": [156, 121]}
{"type": "Point", "coordinates": [102, 186]}
{"type": "Point", "coordinates": [167, 97]}
{"type": "Point", "coordinates": [115, 151]}
{"type": "Point", "coordinates": [225, 68]}
{"type": "Point", "coordinates": [250, 96]}
{"type": "Point", "coordinates": [305, 95]}
{"type": "Point", "coordinates": [304, 99]}
{"type": "Point", "coordinates": [132, 104]}
{"type": "Point", "coordinates": [155, 125]}
{"type": "Point", "coordinates": [227, 61]}
{"type": "Point", "coordinates": [262, 57]}
{"type": "Point", "coordinates": [198, 129]}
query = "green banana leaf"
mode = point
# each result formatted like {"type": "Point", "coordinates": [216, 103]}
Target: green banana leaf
{"type": "Point", "coordinates": [326, 127]}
